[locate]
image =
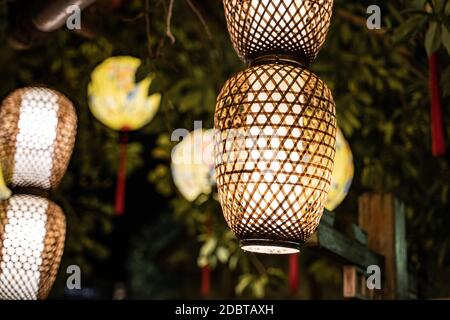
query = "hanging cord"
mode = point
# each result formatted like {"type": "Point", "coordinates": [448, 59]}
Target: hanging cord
{"type": "Point", "coordinates": [122, 172]}
{"type": "Point", "coordinates": [5, 193]}
{"type": "Point", "coordinates": [293, 273]}
{"type": "Point", "coordinates": [437, 130]}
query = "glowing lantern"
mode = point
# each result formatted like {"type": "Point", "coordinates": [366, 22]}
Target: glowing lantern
{"type": "Point", "coordinates": [342, 176]}
{"type": "Point", "coordinates": [295, 28]}
{"type": "Point", "coordinates": [32, 233]}
{"type": "Point", "coordinates": [193, 164]}
{"type": "Point", "coordinates": [120, 103]}
{"type": "Point", "coordinates": [274, 154]}
{"type": "Point", "coordinates": [37, 135]}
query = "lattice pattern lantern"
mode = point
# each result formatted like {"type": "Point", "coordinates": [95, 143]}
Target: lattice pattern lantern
{"type": "Point", "coordinates": [193, 164]}
{"type": "Point", "coordinates": [38, 130]}
{"type": "Point", "coordinates": [120, 103]}
{"type": "Point", "coordinates": [295, 28]}
{"type": "Point", "coordinates": [342, 176]}
{"type": "Point", "coordinates": [274, 155]}
{"type": "Point", "coordinates": [32, 233]}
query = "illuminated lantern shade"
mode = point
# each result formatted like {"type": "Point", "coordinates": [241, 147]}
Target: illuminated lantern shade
{"type": "Point", "coordinates": [342, 176]}
{"type": "Point", "coordinates": [274, 151]}
{"type": "Point", "coordinates": [37, 133]}
{"type": "Point", "coordinates": [32, 233]}
{"type": "Point", "coordinates": [193, 164]}
{"type": "Point", "coordinates": [296, 28]}
{"type": "Point", "coordinates": [120, 103]}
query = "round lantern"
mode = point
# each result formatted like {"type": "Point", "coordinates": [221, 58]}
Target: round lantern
{"type": "Point", "coordinates": [120, 103]}
{"type": "Point", "coordinates": [32, 233]}
{"type": "Point", "coordinates": [342, 175]}
{"type": "Point", "coordinates": [295, 28]}
{"type": "Point", "coordinates": [193, 164]}
{"type": "Point", "coordinates": [274, 150]}
{"type": "Point", "coordinates": [115, 98]}
{"type": "Point", "coordinates": [37, 135]}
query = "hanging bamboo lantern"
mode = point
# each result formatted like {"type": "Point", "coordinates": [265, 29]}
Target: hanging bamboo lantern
{"type": "Point", "coordinates": [343, 170]}
{"type": "Point", "coordinates": [296, 28]}
{"type": "Point", "coordinates": [274, 150]}
{"type": "Point", "coordinates": [37, 135]}
{"type": "Point", "coordinates": [193, 164]}
{"type": "Point", "coordinates": [32, 233]}
{"type": "Point", "coordinates": [117, 101]}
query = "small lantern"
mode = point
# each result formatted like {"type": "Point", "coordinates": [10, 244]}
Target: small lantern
{"type": "Point", "coordinates": [120, 103]}
{"type": "Point", "coordinates": [193, 164]}
{"type": "Point", "coordinates": [343, 170]}
{"type": "Point", "coordinates": [32, 233]}
{"type": "Point", "coordinates": [295, 28]}
{"type": "Point", "coordinates": [37, 135]}
{"type": "Point", "coordinates": [274, 150]}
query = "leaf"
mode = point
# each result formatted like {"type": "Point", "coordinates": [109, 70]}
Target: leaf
{"type": "Point", "coordinates": [446, 38]}
{"type": "Point", "coordinates": [433, 38]}
{"type": "Point", "coordinates": [408, 27]}
{"type": "Point", "coordinates": [244, 282]}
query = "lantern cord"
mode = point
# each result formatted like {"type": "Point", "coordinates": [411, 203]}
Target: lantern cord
{"type": "Point", "coordinates": [5, 193]}
{"type": "Point", "coordinates": [437, 130]}
{"type": "Point", "coordinates": [293, 274]}
{"type": "Point", "coordinates": [121, 173]}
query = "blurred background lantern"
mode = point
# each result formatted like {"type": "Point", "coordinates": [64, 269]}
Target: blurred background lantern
{"type": "Point", "coordinates": [274, 154]}
{"type": "Point", "coordinates": [37, 134]}
{"type": "Point", "coordinates": [296, 28]}
{"type": "Point", "coordinates": [117, 101]}
{"type": "Point", "coordinates": [32, 233]}
{"type": "Point", "coordinates": [343, 170]}
{"type": "Point", "coordinates": [194, 174]}
{"type": "Point", "coordinates": [193, 164]}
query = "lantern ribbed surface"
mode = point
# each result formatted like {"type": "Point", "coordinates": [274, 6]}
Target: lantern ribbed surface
{"type": "Point", "coordinates": [274, 148]}
{"type": "Point", "coordinates": [295, 28]}
{"type": "Point", "coordinates": [32, 233]}
{"type": "Point", "coordinates": [37, 135]}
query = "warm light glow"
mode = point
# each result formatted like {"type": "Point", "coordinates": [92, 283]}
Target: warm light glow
{"type": "Point", "coordinates": [32, 232]}
{"type": "Point", "coordinates": [294, 27]}
{"type": "Point", "coordinates": [193, 164]}
{"type": "Point", "coordinates": [115, 98]}
{"type": "Point", "coordinates": [274, 153]}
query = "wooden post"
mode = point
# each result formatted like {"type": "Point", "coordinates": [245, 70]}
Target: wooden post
{"type": "Point", "coordinates": [383, 218]}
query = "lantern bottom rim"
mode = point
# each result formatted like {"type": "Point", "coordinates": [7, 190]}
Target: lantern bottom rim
{"type": "Point", "coordinates": [267, 246]}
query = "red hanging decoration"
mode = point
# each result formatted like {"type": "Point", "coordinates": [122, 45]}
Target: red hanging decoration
{"type": "Point", "coordinates": [206, 281]}
{"type": "Point", "coordinates": [437, 129]}
{"type": "Point", "coordinates": [293, 273]}
{"type": "Point", "coordinates": [122, 172]}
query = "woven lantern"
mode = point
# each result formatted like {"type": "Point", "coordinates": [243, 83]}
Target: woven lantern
{"type": "Point", "coordinates": [274, 150]}
{"type": "Point", "coordinates": [342, 175]}
{"type": "Point", "coordinates": [32, 233]}
{"type": "Point", "coordinates": [193, 164]}
{"type": "Point", "coordinates": [37, 135]}
{"type": "Point", "coordinates": [120, 103]}
{"type": "Point", "coordinates": [295, 28]}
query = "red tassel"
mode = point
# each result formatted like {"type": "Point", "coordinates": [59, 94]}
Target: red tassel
{"type": "Point", "coordinates": [206, 281]}
{"type": "Point", "coordinates": [437, 129]}
{"type": "Point", "coordinates": [122, 173]}
{"type": "Point", "coordinates": [293, 273]}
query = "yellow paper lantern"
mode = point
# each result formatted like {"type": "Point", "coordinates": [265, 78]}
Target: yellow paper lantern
{"type": "Point", "coordinates": [115, 98]}
{"type": "Point", "coordinates": [342, 176]}
{"type": "Point", "coordinates": [193, 164]}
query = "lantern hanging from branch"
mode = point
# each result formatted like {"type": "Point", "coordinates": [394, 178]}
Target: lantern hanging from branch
{"type": "Point", "coordinates": [343, 170]}
{"type": "Point", "coordinates": [274, 155]}
{"type": "Point", "coordinates": [32, 233]}
{"type": "Point", "coordinates": [120, 103]}
{"type": "Point", "coordinates": [37, 135]}
{"type": "Point", "coordinates": [193, 164]}
{"type": "Point", "coordinates": [296, 28]}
